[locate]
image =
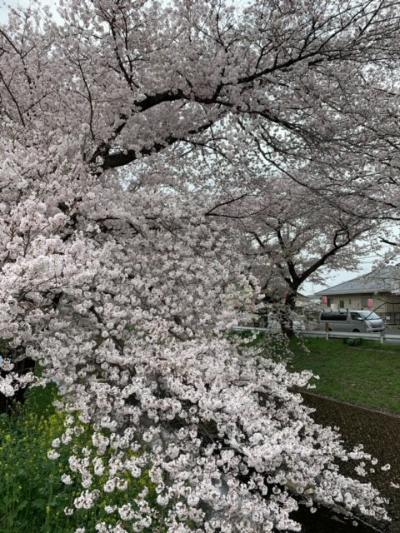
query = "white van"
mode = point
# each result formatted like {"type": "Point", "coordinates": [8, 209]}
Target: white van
{"type": "Point", "coordinates": [354, 320]}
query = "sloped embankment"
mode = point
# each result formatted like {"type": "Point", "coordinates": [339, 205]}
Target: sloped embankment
{"type": "Point", "coordinates": [380, 434]}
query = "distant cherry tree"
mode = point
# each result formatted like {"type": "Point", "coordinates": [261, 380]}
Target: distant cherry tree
{"type": "Point", "coordinates": [289, 234]}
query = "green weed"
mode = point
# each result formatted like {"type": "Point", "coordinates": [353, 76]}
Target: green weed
{"type": "Point", "coordinates": [32, 495]}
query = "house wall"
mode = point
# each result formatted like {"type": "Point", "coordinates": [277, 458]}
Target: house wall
{"type": "Point", "coordinates": [385, 304]}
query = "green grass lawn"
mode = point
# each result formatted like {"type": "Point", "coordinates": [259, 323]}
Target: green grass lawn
{"type": "Point", "coordinates": [367, 375]}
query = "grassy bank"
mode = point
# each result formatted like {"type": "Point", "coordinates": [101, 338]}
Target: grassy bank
{"type": "Point", "coordinates": [367, 375]}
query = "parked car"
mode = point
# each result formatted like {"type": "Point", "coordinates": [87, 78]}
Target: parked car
{"type": "Point", "coordinates": [362, 321]}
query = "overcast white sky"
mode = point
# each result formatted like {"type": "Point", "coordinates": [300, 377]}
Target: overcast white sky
{"type": "Point", "coordinates": [5, 5]}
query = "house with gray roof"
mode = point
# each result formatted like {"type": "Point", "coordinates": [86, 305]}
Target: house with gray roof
{"type": "Point", "coordinates": [378, 290]}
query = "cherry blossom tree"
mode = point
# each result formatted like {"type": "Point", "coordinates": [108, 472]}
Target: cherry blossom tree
{"type": "Point", "coordinates": [123, 289]}
{"type": "Point", "coordinates": [291, 236]}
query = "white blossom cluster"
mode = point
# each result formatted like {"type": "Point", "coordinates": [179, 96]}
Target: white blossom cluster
{"type": "Point", "coordinates": [128, 314]}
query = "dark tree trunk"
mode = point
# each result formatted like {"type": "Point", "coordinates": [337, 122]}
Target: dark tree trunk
{"type": "Point", "coordinates": [285, 314]}
{"type": "Point", "coordinates": [21, 366]}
